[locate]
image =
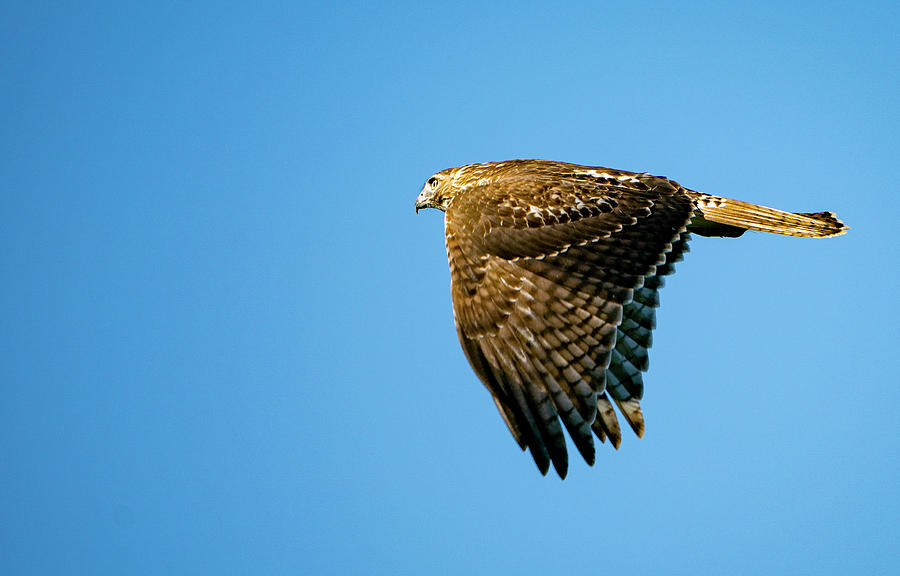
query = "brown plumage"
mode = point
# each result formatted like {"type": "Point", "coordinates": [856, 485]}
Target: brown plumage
{"type": "Point", "coordinates": [555, 271]}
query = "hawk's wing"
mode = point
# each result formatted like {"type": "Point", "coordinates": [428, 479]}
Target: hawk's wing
{"type": "Point", "coordinates": [542, 268]}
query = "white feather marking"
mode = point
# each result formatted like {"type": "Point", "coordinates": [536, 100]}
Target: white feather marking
{"type": "Point", "coordinates": [607, 175]}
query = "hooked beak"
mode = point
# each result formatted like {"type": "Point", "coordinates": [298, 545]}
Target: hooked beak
{"type": "Point", "coordinates": [424, 200]}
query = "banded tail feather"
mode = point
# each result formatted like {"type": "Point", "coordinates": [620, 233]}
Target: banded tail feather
{"type": "Point", "coordinates": [720, 216]}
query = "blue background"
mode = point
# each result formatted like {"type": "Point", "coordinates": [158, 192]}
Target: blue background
{"type": "Point", "coordinates": [227, 341]}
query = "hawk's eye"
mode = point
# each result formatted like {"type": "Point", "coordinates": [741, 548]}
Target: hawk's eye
{"type": "Point", "coordinates": [432, 182]}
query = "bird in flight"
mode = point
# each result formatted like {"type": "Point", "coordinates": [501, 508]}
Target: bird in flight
{"type": "Point", "coordinates": [555, 270]}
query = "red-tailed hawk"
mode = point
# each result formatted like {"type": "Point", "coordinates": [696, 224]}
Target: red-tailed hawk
{"type": "Point", "coordinates": [555, 270]}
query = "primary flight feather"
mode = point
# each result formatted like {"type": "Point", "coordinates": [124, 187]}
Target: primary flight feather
{"type": "Point", "coordinates": [555, 270]}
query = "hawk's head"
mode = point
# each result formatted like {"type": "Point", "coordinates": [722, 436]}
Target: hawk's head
{"type": "Point", "coordinates": [431, 195]}
{"type": "Point", "coordinates": [441, 188]}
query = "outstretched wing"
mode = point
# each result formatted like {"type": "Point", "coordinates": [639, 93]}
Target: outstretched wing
{"type": "Point", "coordinates": [542, 267]}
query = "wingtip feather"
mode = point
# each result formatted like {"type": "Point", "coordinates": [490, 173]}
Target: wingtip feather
{"type": "Point", "coordinates": [631, 409]}
{"type": "Point", "coordinates": [607, 422]}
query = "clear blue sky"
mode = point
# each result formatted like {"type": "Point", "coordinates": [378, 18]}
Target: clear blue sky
{"type": "Point", "coordinates": [227, 342]}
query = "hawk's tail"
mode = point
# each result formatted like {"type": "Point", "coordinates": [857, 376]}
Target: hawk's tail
{"type": "Point", "coordinates": [738, 216]}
